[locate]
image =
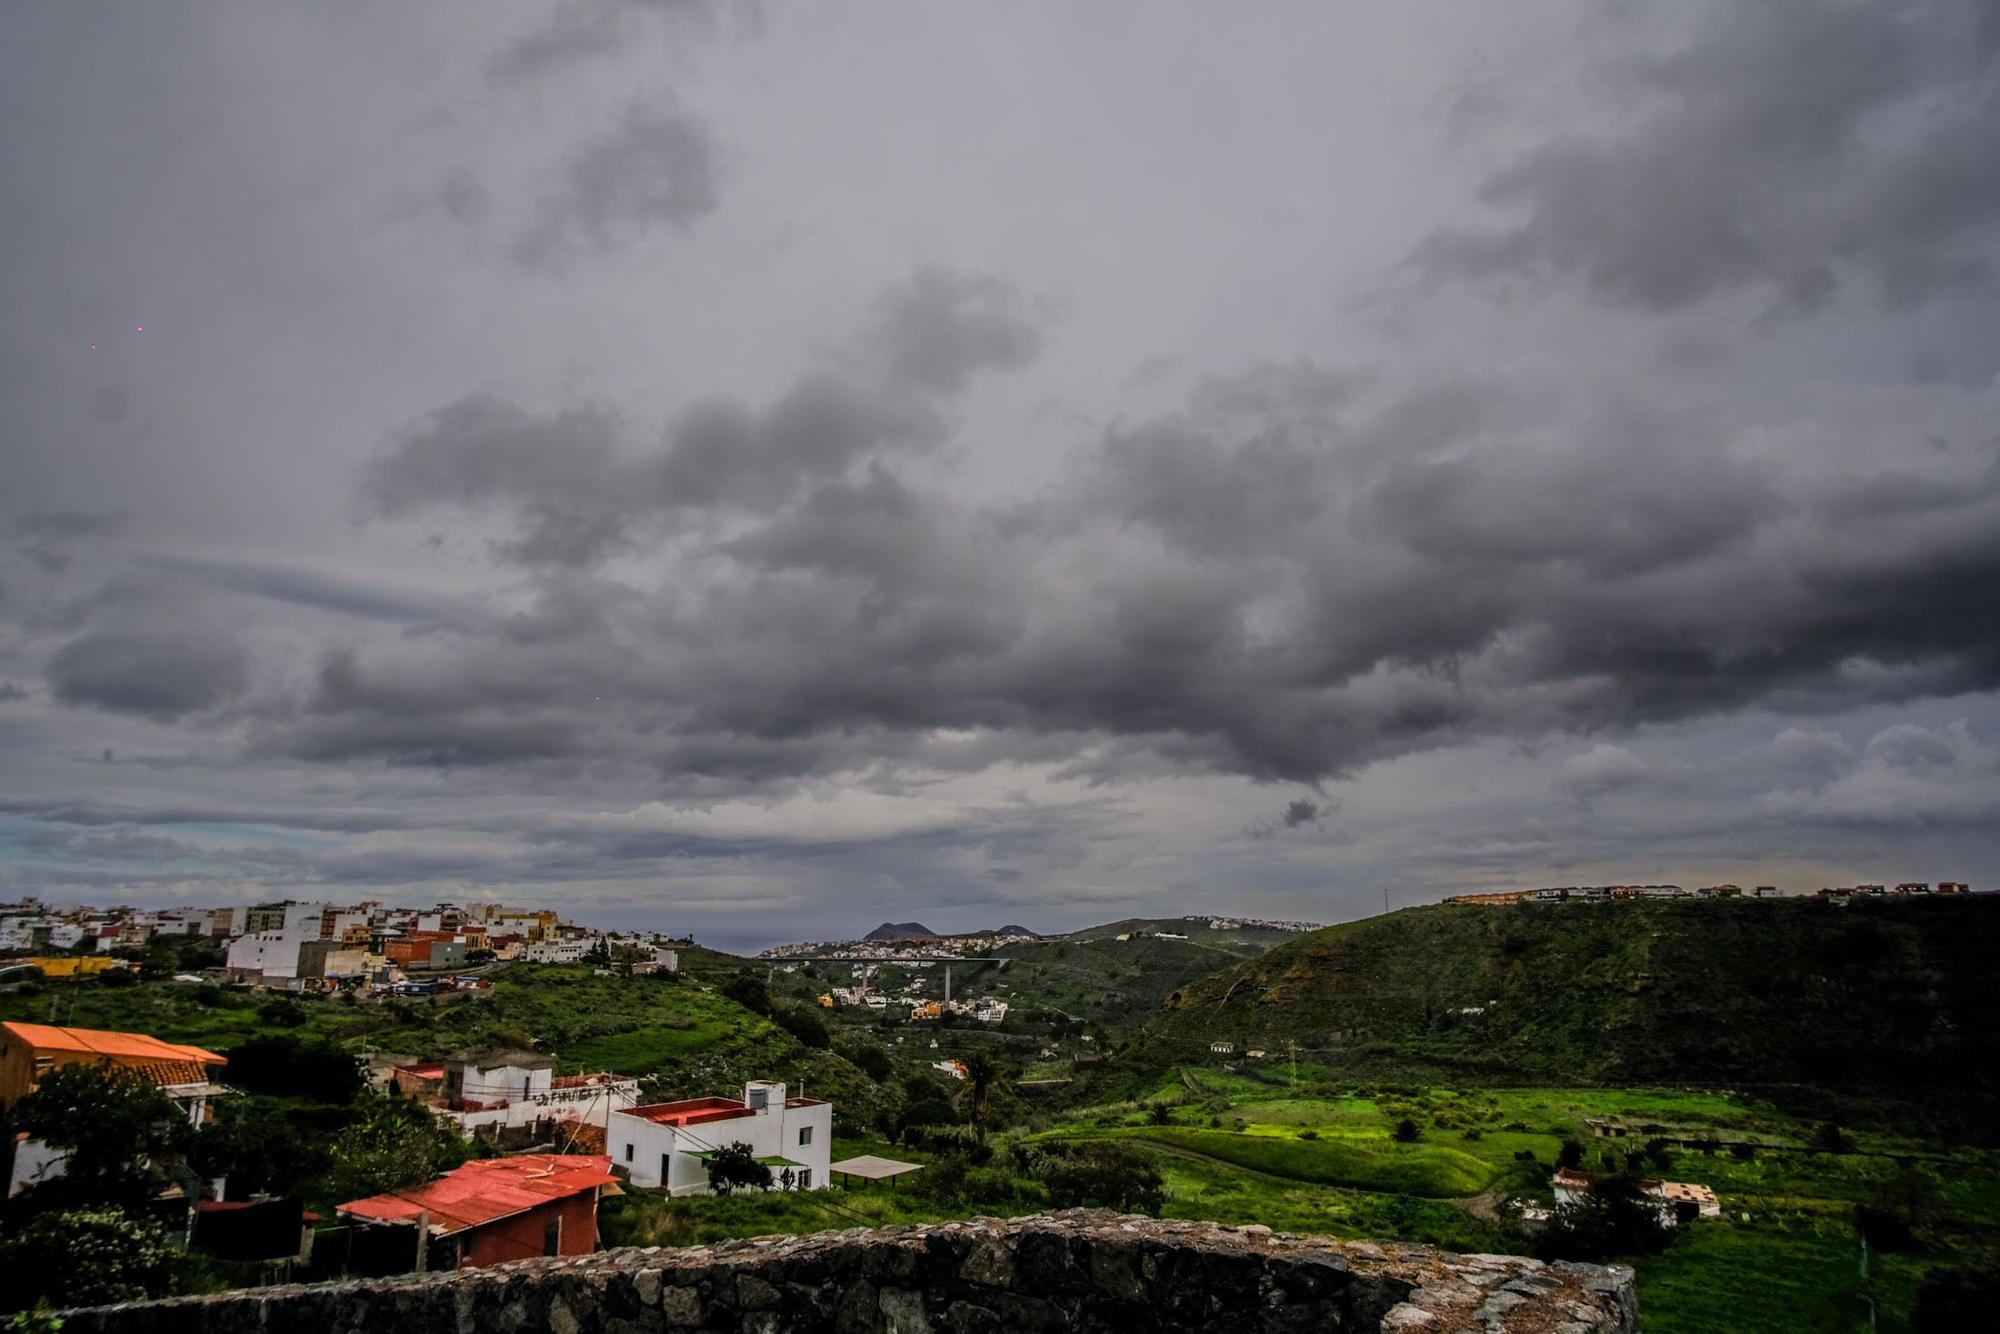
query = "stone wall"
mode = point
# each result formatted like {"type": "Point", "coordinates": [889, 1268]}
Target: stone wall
{"type": "Point", "coordinates": [1082, 1270]}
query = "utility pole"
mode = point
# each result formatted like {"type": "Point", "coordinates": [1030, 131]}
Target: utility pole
{"type": "Point", "coordinates": [1295, 1062]}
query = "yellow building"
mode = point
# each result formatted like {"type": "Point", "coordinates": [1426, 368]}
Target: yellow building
{"type": "Point", "coordinates": [72, 965]}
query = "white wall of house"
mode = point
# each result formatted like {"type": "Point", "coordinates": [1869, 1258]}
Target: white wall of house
{"type": "Point", "coordinates": [592, 1104]}
{"type": "Point", "coordinates": [656, 1155]}
{"type": "Point", "coordinates": [275, 954]}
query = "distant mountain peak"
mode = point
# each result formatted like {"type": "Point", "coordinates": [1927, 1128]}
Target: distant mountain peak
{"type": "Point", "coordinates": [1012, 930]}
{"type": "Point", "coordinates": [890, 931]}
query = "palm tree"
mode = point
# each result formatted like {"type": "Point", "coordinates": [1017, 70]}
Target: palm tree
{"type": "Point", "coordinates": [984, 1076]}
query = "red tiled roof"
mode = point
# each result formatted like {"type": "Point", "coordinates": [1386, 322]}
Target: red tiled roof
{"type": "Point", "coordinates": [481, 1192]}
{"type": "Point", "coordinates": [690, 1111]}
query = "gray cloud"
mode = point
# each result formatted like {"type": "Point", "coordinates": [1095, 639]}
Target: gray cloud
{"type": "Point", "coordinates": [581, 493]}
{"type": "Point", "coordinates": [657, 168]}
{"type": "Point", "coordinates": [160, 671]}
{"type": "Point", "coordinates": [1788, 149]}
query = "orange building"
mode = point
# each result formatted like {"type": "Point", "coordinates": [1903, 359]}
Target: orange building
{"type": "Point", "coordinates": [500, 1209]}
{"type": "Point", "coordinates": [29, 1051]}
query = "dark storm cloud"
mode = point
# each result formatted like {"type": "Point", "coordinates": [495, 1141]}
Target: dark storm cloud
{"type": "Point", "coordinates": [153, 668]}
{"type": "Point", "coordinates": [1787, 148]}
{"type": "Point", "coordinates": [1296, 575]}
{"type": "Point", "coordinates": [579, 495]}
{"type": "Point", "coordinates": [658, 167]}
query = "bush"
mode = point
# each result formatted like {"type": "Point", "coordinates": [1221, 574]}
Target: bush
{"type": "Point", "coordinates": [1830, 1138]}
{"type": "Point", "coordinates": [84, 1257]}
{"type": "Point", "coordinates": [282, 1013]}
{"type": "Point", "coordinates": [1103, 1174]}
{"type": "Point", "coordinates": [1570, 1155]}
{"type": "Point", "coordinates": [1308, 1133]}
{"type": "Point", "coordinates": [749, 991]}
{"type": "Point", "coordinates": [804, 1025]}
{"type": "Point", "coordinates": [1956, 1299]}
{"type": "Point", "coordinates": [1742, 1151]}
{"type": "Point", "coordinates": [1406, 1132]}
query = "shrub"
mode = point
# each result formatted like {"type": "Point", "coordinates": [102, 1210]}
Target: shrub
{"type": "Point", "coordinates": [1956, 1299]}
{"type": "Point", "coordinates": [1308, 1133]}
{"type": "Point", "coordinates": [85, 1257]}
{"type": "Point", "coordinates": [1570, 1155]}
{"type": "Point", "coordinates": [1103, 1175]}
{"type": "Point", "coordinates": [1830, 1138]}
{"type": "Point", "coordinates": [1406, 1132]}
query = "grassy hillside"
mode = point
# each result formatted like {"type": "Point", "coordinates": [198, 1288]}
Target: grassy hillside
{"type": "Point", "coordinates": [1107, 981]}
{"type": "Point", "coordinates": [1891, 996]}
{"type": "Point", "coordinates": [1242, 940]}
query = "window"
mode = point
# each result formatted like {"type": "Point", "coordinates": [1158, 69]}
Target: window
{"type": "Point", "coordinates": [805, 1134]}
{"type": "Point", "coordinates": [552, 1237]}
{"type": "Point", "coordinates": [628, 1151]}
{"type": "Point", "coordinates": [805, 1178]}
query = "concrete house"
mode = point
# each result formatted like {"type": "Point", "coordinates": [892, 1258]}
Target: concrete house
{"type": "Point", "coordinates": [667, 1145]}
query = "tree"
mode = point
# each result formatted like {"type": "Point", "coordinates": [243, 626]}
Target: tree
{"type": "Point", "coordinates": [749, 991]}
{"type": "Point", "coordinates": [735, 1165]}
{"type": "Point", "coordinates": [391, 1143]}
{"type": "Point", "coordinates": [116, 1126]}
{"type": "Point", "coordinates": [1160, 1114]}
{"type": "Point", "coordinates": [261, 1147]}
{"type": "Point", "coordinates": [1611, 1218]}
{"type": "Point", "coordinates": [84, 1257]}
{"type": "Point", "coordinates": [1406, 1131]}
{"type": "Point", "coordinates": [286, 1066]}
{"type": "Point", "coordinates": [982, 1075]}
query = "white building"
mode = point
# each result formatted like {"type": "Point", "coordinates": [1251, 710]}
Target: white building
{"type": "Point", "coordinates": [555, 951]}
{"type": "Point", "coordinates": [517, 1090]}
{"type": "Point", "coordinates": [1571, 1185]}
{"type": "Point", "coordinates": [667, 1145]}
{"type": "Point", "coordinates": [271, 955]}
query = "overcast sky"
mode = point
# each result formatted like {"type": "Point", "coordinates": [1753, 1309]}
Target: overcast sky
{"type": "Point", "coordinates": [763, 469]}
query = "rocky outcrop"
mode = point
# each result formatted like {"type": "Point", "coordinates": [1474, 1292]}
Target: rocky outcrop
{"type": "Point", "coordinates": [1081, 1270]}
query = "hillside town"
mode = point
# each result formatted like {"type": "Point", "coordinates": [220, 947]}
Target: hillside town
{"type": "Point", "coordinates": [1587, 893]}
{"type": "Point", "coordinates": [368, 946]}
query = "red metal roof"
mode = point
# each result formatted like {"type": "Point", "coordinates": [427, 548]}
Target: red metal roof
{"type": "Point", "coordinates": [690, 1111]}
{"type": "Point", "coordinates": [482, 1192]}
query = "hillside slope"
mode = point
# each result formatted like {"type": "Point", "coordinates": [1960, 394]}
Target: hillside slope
{"type": "Point", "coordinates": [1889, 995]}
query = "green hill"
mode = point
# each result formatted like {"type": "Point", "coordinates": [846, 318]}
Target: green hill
{"type": "Point", "coordinates": [1891, 996]}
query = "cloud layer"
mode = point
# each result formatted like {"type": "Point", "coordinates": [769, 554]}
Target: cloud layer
{"type": "Point", "coordinates": [782, 470]}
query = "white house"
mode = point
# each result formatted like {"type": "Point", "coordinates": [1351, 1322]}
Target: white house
{"type": "Point", "coordinates": [1571, 1185]}
{"type": "Point", "coordinates": [554, 951]}
{"type": "Point", "coordinates": [666, 1145]}
{"type": "Point", "coordinates": [515, 1090]}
